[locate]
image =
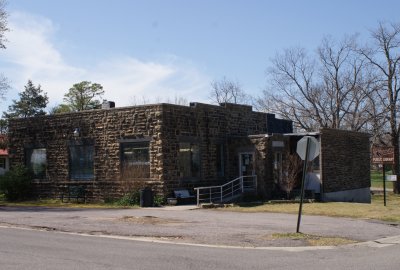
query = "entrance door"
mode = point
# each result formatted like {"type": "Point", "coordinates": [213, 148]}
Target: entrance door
{"type": "Point", "coordinates": [246, 164]}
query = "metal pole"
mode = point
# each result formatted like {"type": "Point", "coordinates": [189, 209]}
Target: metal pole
{"type": "Point", "coordinates": [221, 194]}
{"type": "Point", "coordinates": [302, 185]}
{"type": "Point", "coordinates": [384, 184]}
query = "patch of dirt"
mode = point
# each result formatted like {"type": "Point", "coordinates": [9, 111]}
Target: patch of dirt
{"type": "Point", "coordinates": [308, 239]}
{"type": "Point", "coordinates": [149, 220]}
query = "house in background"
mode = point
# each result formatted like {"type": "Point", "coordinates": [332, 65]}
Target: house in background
{"type": "Point", "coordinates": [111, 151]}
{"type": "Point", "coordinates": [4, 160]}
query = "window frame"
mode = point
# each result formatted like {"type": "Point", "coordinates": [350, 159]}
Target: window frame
{"type": "Point", "coordinates": [28, 162]}
{"type": "Point", "coordinates": [194, 176]}
{"type": "Point", "coordinates": [81, 175]}
{"type": "Point", "coordinates": [1, 162]}
{"type": "Point", "coordinates": [139, 143]}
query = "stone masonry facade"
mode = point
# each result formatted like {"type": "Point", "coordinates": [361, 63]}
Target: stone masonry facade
{"type": "Point", "coordinates": [345, 160]}
{"type": "Point", "coordinates": [165, 127]}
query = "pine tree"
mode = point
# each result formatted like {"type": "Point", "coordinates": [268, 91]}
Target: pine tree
{"type": "Point", "coordinates": [32, 102]}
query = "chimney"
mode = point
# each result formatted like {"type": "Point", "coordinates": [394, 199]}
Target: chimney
{"type": "Point", "coordinates": [107, 104]}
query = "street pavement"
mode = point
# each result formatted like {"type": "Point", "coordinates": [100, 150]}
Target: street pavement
{"type": "Point", "coordinates": [48, 250]}
{"type": "Point", "coordinates": [193, 226]}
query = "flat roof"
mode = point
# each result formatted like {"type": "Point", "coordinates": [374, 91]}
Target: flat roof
{"type": "Point", "coordinates": [314, 133]}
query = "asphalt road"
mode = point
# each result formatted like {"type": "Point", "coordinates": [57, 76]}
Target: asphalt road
{"type": "Point", "coordinates": [33, 249]}
{"type": "Point", "coordinates": [193, 226]}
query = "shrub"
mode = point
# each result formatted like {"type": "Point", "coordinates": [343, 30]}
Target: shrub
{"type": "Point", "coordinates": [159, 200]}
{"type": "Point", "coordinates": [131, 198]}
{"type": "Point", "coordinates": [16, 184]}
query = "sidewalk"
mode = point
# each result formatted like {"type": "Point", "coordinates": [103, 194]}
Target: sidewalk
{"type": "Point", "coordinates": [199, 226]}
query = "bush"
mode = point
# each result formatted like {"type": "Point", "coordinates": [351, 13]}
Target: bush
{"type": "Point", "coordinates": [159, 200]}
{"type": "Point", "coordinates": [16, 184]}
{"type": "Point", "coordinates": [132, 198]}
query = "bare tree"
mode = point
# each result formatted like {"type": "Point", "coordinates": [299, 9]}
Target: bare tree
{"type": "Point", "coordinates": [227, 91]}
{"type": "Point", "coordinates": [3, 23]}
{"type": "Point", "coordinates": [331, 90]}
{"type": "Point", "coordinates": [293, 91]}
{"type": "Point", "coordinates": [178, 100]}
{"type": "Point", "coordinates": [291, 167]}
{"type": "Point", "coordinates": [3, 28]}
{"type": "Point", "coordinates": [384, 56]}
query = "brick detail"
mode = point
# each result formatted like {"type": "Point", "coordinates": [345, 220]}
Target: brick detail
{"type": "Point", "coordinates": [345, 160]}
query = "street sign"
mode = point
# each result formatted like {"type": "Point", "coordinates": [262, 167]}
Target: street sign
{"type": "Point", "coordinates": [313, 148]}
{"type": "Point", "coordinates": [382, 155]}
{"type": "Point", "coordinates": [391, 178]}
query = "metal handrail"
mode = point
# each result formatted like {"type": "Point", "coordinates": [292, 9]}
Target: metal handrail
{"type": "Point", "coordinates": [227, 190]}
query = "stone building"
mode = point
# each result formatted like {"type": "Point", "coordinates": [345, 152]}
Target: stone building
{"type": "Point", "coordinates": [112, 151]}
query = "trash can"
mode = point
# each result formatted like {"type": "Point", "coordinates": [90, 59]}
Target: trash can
{"type": "Point", "coordinates": [146, 197]}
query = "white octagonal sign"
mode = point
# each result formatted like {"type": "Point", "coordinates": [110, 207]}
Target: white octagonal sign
{"type": "Point", "coordinates": [313, 148]}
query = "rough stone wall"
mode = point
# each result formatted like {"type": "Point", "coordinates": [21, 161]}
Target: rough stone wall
{"type": "Point", "coordinates": [105, 128]}
{"type": "Point", "coordinates": [208, 125]}
{"type": "Point", "coordinates": [165, 125]}
{"type": "Point", "coordinates": [263, 164]}
{"type": "Point", "coordinates": [345, 160]}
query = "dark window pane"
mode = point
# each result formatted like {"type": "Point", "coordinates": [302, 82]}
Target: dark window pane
{"type": "Point", "coordinates": [189, 160]}
{"type": "Point", "coordinates": [81, 162]}
{"type": "Point", "coordinates": [135, 159]}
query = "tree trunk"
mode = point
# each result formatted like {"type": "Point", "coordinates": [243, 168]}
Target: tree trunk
{"type": "Point", "coordinates": [395, 143]}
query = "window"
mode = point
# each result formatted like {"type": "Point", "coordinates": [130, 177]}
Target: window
{"type": "Point", "coordinates": [81, 165]}
{"type": "Point", "coordinates": [3, 163]}
{"type": "Point", "coordinates": [220, 159]}
{"type": "Point", "coordinates": [135, 159]}
{"type": "Point", "coordinates": [278, 167]}
{"type": "Point", "coordinates": [36, 160]}
{"type": "Point", "coordinates": [315, 165]}
{"type": "Point", "coordinates": [189, 160]}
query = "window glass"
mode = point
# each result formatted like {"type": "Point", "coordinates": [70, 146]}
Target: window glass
{"type": "Point", "coordinates": [135, 159]}
{"type": "Point", "coordinates": [2, 163]}
{"type": "Point", "coordinates": [81, 162]}
{"type": "Point", "coordinates": [189, 160]}
{"type": "Point", "coordinates": [37, 161]}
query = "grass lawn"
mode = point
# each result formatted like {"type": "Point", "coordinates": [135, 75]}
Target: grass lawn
{"type": "Point", "coordinates": [376, 179]}
{"type": "Point", "coordinates": [375, 210]}
{"type": "Point", "coordinates": [58, 203]}
{"type": "Point", "coordinates": [313, 240]}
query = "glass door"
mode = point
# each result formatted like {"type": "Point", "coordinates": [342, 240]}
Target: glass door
{"type": "Point", "coordinates": [246, 164]}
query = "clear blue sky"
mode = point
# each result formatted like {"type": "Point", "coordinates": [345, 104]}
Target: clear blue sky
{"type": "Point", "coordinates": [168, 48]}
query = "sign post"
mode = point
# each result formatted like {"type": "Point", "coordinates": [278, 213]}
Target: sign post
{"type": "Point", "coordinates": [307, 149]}
{"type": "Point", "coordinates": [384, 184]}
{"type": "Point", "coordinates": [383, 155]}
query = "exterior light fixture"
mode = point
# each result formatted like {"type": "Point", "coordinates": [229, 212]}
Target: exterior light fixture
{"type": "Point", "coordinates": [76, 133]}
